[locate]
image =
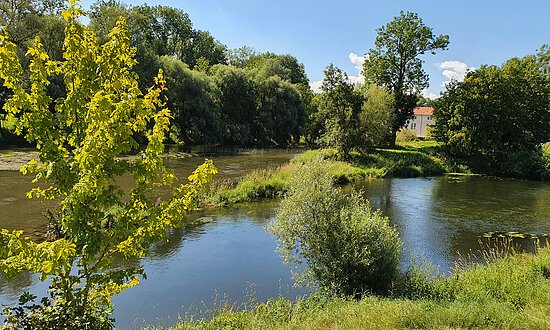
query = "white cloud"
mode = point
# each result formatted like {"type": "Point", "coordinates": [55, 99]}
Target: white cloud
{"type": "Point", "coordinates": [454, 70]}
{"type": "Point", "coordinates": [354, 79]}
{"type": "Point", "coordinates": [429, 95]}
{"type": "Point", "coordinates": [316, 86]}
{"type": "Point", "coordinates": [358, 61]}
{"type": "Point", "coordinates": [359, 79]}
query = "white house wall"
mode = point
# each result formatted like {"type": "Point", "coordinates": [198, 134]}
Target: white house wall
{"type": "Point", "coordinates": [419, 124]}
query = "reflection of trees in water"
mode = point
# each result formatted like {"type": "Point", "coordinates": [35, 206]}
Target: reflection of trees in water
{"type": "Point", "coordinates": [542, 202]}
{"type": "Point", "coordinates": [473, 206]}
{"type": "Point", "coordinates": [176, 237]}
{"type": "Point", "coordinates": [444, 217]}
{"type": "Point", "coordinates": [197, 224]}
{"type": "Point", "coordinates": [13, 289]}
{"type": "Point", "coordinates": [378, 192]}
{"type": "Point", "coordinates": [489, 204]}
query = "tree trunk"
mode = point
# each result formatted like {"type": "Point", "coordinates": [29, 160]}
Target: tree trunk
{"type": "Point", "coordinates": [392, 138]}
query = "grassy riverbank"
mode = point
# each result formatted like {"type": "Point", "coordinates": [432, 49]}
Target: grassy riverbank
{"type": "Point", "coordinates": [413, 159]}
{"type": "Point", "coordinates": [506, 292]}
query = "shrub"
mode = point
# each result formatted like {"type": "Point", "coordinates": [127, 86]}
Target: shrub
{"type": "Point", "coordinates": [349, 248]}
{"type": "Point", "coordinates": [526, 164]}
{"type": "Point", "coordinates": [406, 135]}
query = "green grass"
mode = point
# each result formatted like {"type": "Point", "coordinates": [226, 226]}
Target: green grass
{"type": "Point", "coordinates": [259, 184]}
{"type": "Point", "coordinates": [420, 145]}
{"type": "Point", "coordinates": [401, 163]}
{"type": "Point", "coordinates": [380, 163]}
{"type": "Point", "coordinates": [511, 292]}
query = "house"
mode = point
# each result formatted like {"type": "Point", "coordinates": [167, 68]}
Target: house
{"type": "Point", "coordinates": [420, 120]}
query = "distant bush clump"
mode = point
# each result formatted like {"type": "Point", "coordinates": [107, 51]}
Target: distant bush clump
{"type": "Point", "coordinates": [405, 135]}
{"type": "Point", "coordinates": [349, 248]}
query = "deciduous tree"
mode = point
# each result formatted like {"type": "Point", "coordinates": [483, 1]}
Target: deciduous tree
{"type": "Point", "coordinates": [395, 62]}
{"type": "Point", "coordinates": [339, 108]}
{"type": "Point", "coordinates": [236, 98]}
{"type": "Point", "coordinates": [80, 141]}
{"type": "Point", "coordinates": [376, 117]}
{"type": "Point", "coordinates": [497, 117]}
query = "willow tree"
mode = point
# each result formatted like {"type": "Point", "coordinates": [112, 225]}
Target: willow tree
{"type": "Point", "coordinates": [80, 139]}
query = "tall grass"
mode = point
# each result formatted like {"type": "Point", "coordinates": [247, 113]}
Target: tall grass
{"type": "Point", "coordinates": [259, 184]}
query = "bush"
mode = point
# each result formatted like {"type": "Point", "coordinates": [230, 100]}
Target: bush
{"type": "Point", "coordinates": [404, 135]}
{"type": "Point", "coordinates": [349, 248]}
{"type": "Point", "coordinates": [525, 164]}
{"type": "Point", "coordinates": [56, 312]}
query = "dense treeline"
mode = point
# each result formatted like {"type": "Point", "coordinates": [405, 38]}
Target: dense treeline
{"type": "Point", "coordinates": [217, 96]}
{"type": "Point", "coordinates": [77, 97]}
{"type": "Point", "coordinates": [498, 118]}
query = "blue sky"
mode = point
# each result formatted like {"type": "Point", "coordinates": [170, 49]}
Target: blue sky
{"type": "Point", "coordinates": [319, 32]}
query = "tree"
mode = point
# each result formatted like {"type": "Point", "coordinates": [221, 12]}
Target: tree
{"type": "Point", "coordinates": [166, 30]}
{"type": "Point", "coordinates": [104, 15]}
{"type": "Point", "coordinates": [80, 142]}
{"type": "Point", "coordinates": [543, 59]}
{"type": "Point", "coordinates": [280, 113]}
{"type": "Point", "coordinates": [203, 46]}
{"type": "Point", "coordinates": [236, 98]}
{"type": "Point", "coordinates": [496, 119]}
{"type": "Point", "coordinates": [315, 124]}
{"type": "Point", "coordinates": [287, 67]}
{"type": "Point", "coordinates": [376, 117]}
{"type": "Point", "coordinates": [24, 20]}
{"type": "Point", "coordinates": [339, 108]}
{"type": "Point", "coordinates": [192, 96]}
{"type": "Point", "coordinates": [238, 57]}
{"type": "Point", "coordinates": [395, 62]}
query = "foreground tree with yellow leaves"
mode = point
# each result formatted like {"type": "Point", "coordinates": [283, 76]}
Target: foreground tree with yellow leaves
{"type": "Point", "coordinates": [81, 139]}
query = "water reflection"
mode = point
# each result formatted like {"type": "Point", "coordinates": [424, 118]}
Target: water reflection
{"type": "Point", "coordinates": [444, 218]}
{"type": "Point", "coordinates": [19, 212]}
{"type": "Point", "coordinates": [226, 257]}
{"type": "Point", "coordinates": [199, 264]}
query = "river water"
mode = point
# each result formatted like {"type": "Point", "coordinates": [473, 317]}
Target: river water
{"type": "Point", "coordinates": [232, 259]}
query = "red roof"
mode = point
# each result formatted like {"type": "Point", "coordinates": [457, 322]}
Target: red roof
{"type": "Point", "coordinates": [423, 111]}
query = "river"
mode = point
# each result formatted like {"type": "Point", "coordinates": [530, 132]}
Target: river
{"type": "Point", "coordinates": [232, 259]}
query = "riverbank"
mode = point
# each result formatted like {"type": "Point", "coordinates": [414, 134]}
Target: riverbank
{"type": "Point", "coordinates": [506, 292]}
{"type": "Point", "coordinates": [411, 160]}
{"type": "Point", "coordinates": [14, 159]}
